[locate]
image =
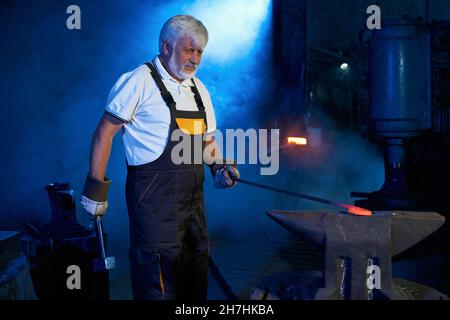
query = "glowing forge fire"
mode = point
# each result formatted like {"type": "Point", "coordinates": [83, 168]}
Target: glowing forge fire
{"type": "Point", "coordinates": [297, 140]}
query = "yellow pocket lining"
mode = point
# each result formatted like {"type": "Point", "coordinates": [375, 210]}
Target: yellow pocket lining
{"type": "Point", "coordinates": [191, 126]}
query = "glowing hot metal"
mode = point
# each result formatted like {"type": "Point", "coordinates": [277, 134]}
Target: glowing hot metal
{"type": "Point", "coordinates": [355, 210]}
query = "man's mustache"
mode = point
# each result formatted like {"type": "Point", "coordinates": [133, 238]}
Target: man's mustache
{"type": "Point", "coordinates": [191, 65]}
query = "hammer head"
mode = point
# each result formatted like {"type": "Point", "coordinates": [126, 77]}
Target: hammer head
{"type": "Point", "coordinates": [104, 264]}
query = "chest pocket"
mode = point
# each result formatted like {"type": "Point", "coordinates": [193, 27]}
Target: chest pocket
{"type": "Point", "coordinates": [191, 126]}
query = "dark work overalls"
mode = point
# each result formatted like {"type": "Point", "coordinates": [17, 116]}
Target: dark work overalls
{"type": "Point", "coordinates": [168, 232]}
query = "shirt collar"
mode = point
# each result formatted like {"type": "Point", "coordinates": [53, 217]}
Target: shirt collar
{"type": "Point", "coordinates": [166, 76]}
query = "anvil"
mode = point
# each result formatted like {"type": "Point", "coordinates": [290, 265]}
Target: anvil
{"type": "Point", "coordinates": [358, 249]}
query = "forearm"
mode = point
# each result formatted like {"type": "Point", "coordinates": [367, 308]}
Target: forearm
{"type": "Point", "coordinates": [94, 198]}
{"type": "Point", "coordinates": [100, 153]}
{"type": "Point", "coordinates": [212, 153]}
{"type": "Point", "coordinates": [95, 191]}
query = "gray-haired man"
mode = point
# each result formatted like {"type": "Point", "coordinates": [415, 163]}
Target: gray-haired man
{"type": "Point", "coordinates": [168, 231]}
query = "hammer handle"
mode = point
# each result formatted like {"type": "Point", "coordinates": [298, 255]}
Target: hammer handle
{"type": "Point", "coordinates": [98, 223]}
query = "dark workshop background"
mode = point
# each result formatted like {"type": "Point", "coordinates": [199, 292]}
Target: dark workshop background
{"type": "Point", "coordinates": [265, 61]}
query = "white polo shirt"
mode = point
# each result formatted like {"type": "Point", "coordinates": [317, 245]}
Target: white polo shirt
{"type": "Point", "coordinates": [136, 100]}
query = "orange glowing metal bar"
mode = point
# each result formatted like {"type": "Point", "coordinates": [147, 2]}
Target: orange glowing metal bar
{"type": "Point", "coordinates": [359, 211]}
{"type": "Point", "coordinates": [355, 210]}
{"type": "Point", "coordinates": [350, 209]}
{"type": "Point", "coordinates": [297, 140]}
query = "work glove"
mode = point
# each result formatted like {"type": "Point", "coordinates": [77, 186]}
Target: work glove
{"type": "Point", "coordinates": [94, 196]}
{"type": "Point", "coordinates": [224, 175]}
{"type": "Point", "coordinates": [94, 208]}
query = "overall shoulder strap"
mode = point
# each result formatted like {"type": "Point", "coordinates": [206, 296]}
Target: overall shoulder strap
{"type": "Point", "coordinates": [165, 94]}
{"type": "Point", "coordinates": [197, 97]}
{"type": "Point", "coordinates": [199, 101]}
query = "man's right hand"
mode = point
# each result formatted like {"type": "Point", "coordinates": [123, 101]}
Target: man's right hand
{"type": "Point", "coordinates": [94, 208]}
{"type": "Point", "coordinates": [94, 197]}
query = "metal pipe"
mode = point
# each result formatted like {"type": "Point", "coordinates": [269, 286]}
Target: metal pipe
{"type": "Point", "coordinates": [221, 280]}
{"type": "Point", "coordinates": [349, 208]}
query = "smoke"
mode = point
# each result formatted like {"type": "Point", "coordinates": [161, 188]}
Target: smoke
{"type": "Point", "coordinates": [54, 87]}
{"type": "Point", "coordinates": [234, 38]}
{"type": "Point", "coordinates": [55, 83]}
{"type": "Point", "coordinates": [345, 162]}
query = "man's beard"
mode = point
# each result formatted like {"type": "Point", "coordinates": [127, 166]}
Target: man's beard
{"type": "Point", "coordinates": [178, 70]}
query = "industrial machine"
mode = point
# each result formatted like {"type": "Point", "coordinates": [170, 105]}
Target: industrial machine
{"type": "Point", "coordinates": [409, 63]}
{"type": "Point", "coordinates": [409, 84]}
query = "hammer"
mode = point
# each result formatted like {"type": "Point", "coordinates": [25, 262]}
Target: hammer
{"type": "Point", "coordinates": [103, 263]}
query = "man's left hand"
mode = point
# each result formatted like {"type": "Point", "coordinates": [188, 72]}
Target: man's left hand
{"type": "Point", "coordinates": [225, 177]}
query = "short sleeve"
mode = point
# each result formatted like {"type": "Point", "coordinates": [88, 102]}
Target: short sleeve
{"type": "Point", "coordinates": [125, 96]}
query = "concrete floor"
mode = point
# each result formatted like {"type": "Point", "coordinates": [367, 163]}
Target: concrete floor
{"type": "Point", "coordinates": [243, 264]}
